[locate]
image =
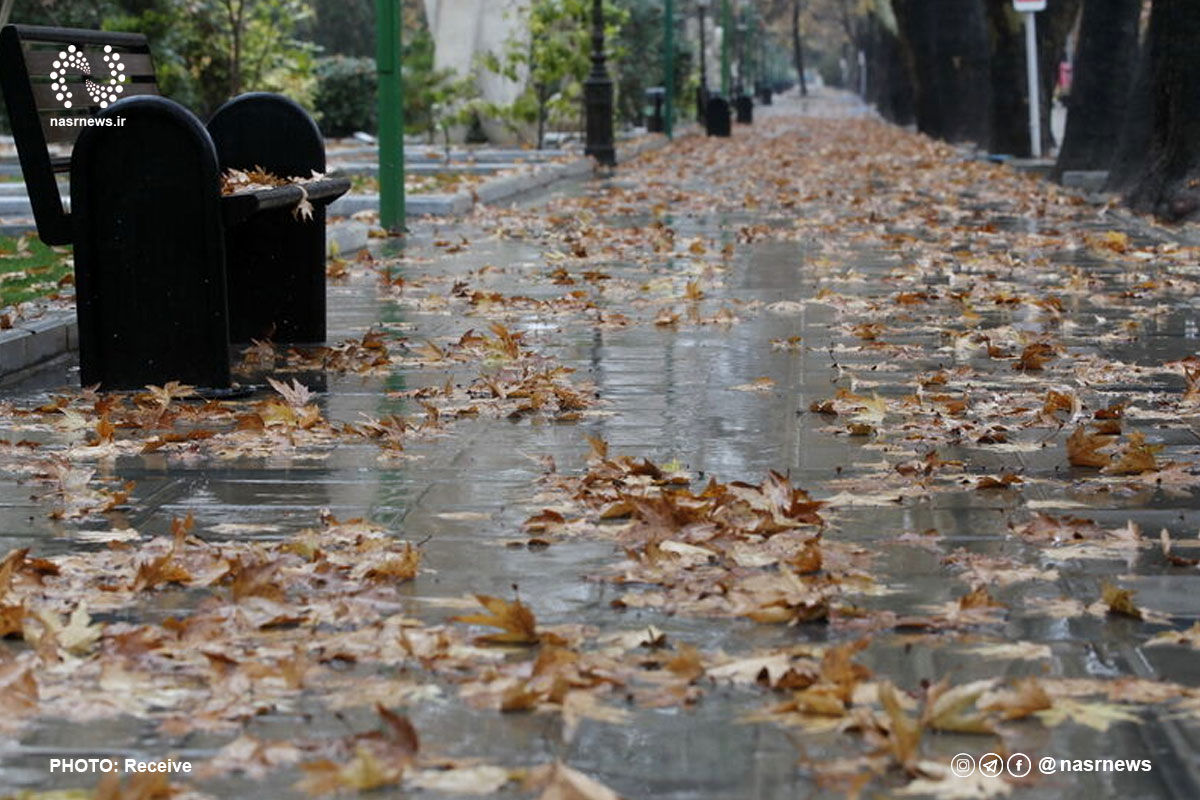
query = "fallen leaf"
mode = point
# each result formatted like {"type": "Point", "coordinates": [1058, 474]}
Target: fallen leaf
{"type": "Point", "coordinates": [514, 618]}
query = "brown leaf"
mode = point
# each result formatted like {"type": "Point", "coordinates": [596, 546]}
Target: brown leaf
{"type": "Point", "coordinates": [557, 781]}
{"type": "Point", "coordinates": [1083, 449]}
{"type": "Point", "coordinates": [979, 597]}
{"type": "Point", "coordinates": [952, 709]}
{"type": "Point", "coordinates": [904, 733]}
{"type": "Point", "coordinates": [514, 618]}
{"type": "Point", "coordinates": [400, 732]}
{"type": "Point", "coordinates": [686, 663]}
{"type": "Point", "coordinates": [1035, 357]}
{"type": "Point", "coordinates": [1135, 457]}
{"type": "Point", "coordinates": [1003, 482]}
{"type": "Point", "coordinates": [1025, 698]}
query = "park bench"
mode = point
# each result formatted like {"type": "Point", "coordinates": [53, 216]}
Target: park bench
{"type": "Point", "coordinates": [168, 271]}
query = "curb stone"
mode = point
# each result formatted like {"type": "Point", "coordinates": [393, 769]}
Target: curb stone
{"type": "Point", "coordinates": [501, 188]}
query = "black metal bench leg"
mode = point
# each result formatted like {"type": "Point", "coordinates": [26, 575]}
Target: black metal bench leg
{"type": "Point", "coordinates": [149, 250]}
{"type": "Point", "coordinates": [276, 263]}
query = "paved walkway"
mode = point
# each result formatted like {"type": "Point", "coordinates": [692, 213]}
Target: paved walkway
{"type": "Point", "coordinates": [978, 375]}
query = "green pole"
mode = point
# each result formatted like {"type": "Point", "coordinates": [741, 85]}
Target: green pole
{"type": "Point", "coordinates": [669, 67]}
{"type": "Point", "coordinates": [389, 31]}
{"type": "Point", "coordinates": [726, 33]}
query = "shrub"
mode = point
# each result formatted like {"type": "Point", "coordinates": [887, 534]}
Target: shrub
{"type": "Point", "coordinates": [345, 97]}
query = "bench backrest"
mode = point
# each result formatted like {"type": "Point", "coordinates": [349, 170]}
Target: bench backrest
{"type": "Point", "coordinates": [52, 77]}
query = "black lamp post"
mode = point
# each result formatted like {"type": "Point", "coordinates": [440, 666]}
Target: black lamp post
{"type": "Point", "coordinates": [598, 96]}
{"type": "Point", "coordinates": [742, 28]}
{"type": "Point", "coordinates": [702, 90]}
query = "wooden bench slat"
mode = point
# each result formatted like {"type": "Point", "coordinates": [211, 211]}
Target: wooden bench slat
{"type": "Point", "coordinates": [40, 33]}
{"type": "Point", "coordinates": [41, 62]}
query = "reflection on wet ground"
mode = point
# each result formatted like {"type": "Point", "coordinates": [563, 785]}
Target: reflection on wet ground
{"type": "Point", "coordinates": [667, 392]}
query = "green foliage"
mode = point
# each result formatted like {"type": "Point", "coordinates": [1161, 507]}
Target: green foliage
{"type": "Point", "coordinates": [640, 41]}
{"type": "Point", "coordinates": [207, 51]}
{"type": "Point", "coordinates": [343, 27]}
{"type": "Point", "coordinates": [345, 96]}
{"type": "Point", "coordinates": [67, 13]}
{"type": "Point", "coordinates": [551, 58]}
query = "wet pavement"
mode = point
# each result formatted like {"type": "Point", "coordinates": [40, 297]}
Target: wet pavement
{"type": "Point", "coordinates": [676, 289]}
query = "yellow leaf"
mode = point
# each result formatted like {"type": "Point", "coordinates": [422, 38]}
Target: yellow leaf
{"type": "Point", "coordinates": [1119, 601]}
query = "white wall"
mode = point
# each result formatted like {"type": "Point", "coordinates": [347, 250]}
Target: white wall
{"type": "Point", "coordinates": [462, 29]}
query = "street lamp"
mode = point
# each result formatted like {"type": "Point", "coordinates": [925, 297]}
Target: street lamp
{"type": "Point", "coordinates": [741, 57]}
{"type": "Point", "coordinates": [598, 96]}
{"type": "Point", "coordinates": [726, 30]}
{"type": "Point", "coordinates": [669, 65]}
{"type": "Point", "coordinates": [702, 7]}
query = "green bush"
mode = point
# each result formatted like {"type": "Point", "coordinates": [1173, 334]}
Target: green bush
{"type": "Point", "coordinates": [345, 97]}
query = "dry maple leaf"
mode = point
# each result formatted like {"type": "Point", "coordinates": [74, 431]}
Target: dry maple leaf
{"type": "Point", "coordinates": [1035, 357]}
{"type": "Point", "coordinates": [557, 781]}
{"type": "Point", "coordinates": [903, 736]}
{"type": "Point", "coordinates": [1189, 638]}
{"type": "Point", "coordinates": [1119, 601]}
{"type": "Point", "coordinates": [172, 390]}
{"type": "Point", "coordinates": [403, 566]}
{"type": "Point", "coordinates": [1005, 481]}
{"type": "Point", "coordinates": [514, 618]}
{"type": "Point", "coordinates": [1135, 457]}
{"type": "Point", "coordinates": [296, 395]}
{"type": "Point", "coordinates": [76, 636]}
{"type": "Point", "coordinates": [140, 786]}
{"type": "Point", "coordinates": [477, 779]}
{"type": "Point", "coordinates": [1083, 449]}
{"type": "Point", "coordinates": [686, 663]}
{"type": "Point", "coordinates": [1026, 697]}
{"type": "Point", "coordinates": [979, 597]}
{"type": "Point", "coordinates": [939, 782]}
{"type": "Point", "coordinates": [579, 704]}
{"type": "Point", "coordinates": [1098, 716]}
{"type": "Point", "coordinates": [18, 690]}
{"type": "Point", "coordinates": [361, 773]}
{"type": "Point", "coordinates": [953, 709]}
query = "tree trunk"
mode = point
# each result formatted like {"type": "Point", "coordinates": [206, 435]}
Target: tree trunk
{"type": "Point", "coordinates": [891, 90]}
{"type": "Point", "coordinates": [1173, 164]}
{"type": "Point", "coordinates": [1108, 45]}
{"type": "Point", "coordinates": [798, 46]}
{"type": "Point", "coordinates": [1010, 96]}
{"type": "Point", "coordinates": [948, 44]}
{"type": "Point", "coordinates": [1133, 144]}
{"type": "Point", "coordinates": [1010, 85]}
